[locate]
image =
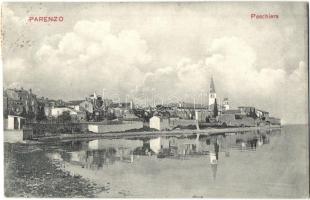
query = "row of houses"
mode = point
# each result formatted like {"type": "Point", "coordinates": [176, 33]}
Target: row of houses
{"type": "Point", "coordinates": [247, 116]}
{"type": "Point", "coordinates": [23, 105]}
{"type": "Point", "coordinates": [243, 116]}
{"type": "Point", "coordinates": [20, 102]}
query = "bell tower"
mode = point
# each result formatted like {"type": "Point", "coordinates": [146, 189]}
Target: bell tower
{"type": "Point", "coordinates": [212, 93]}
{"type": "Point", "coordinates": [226, 104]}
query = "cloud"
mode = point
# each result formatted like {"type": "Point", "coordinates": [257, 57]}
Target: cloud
{"type": "Point", "coordinates": [233, 64]}
{"type": "Point", "coordinates": [93, 55]}
{"type": "Point", "coordinates": [85, 60]}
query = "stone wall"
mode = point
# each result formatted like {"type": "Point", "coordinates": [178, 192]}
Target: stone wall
{"type": "Point", "coordinates": [105, 128]}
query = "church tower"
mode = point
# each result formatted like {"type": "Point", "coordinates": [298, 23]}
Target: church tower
{"type": "Point", "coordinates": [226, 104]}
{"type": "Point", "coordinates": [212, 93]}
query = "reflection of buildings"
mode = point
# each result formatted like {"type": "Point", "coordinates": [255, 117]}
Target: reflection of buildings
{"type": "Point", "coordinates": [97, 154]}
{"type": "Point", "coordinates": [117, 143]}
{"type": "Point", "coordinates": [173, 146]}
{"type": "Point", "coordinates": [93, 159]}
{"type": "Point", "coordinates": [214, 170]}
{"type": "Point", "coordinates": [159, 143]}
{"type": "Point", "coordinates": [103, 152]}
{"type": "Point", "coordinates": [214, 155]}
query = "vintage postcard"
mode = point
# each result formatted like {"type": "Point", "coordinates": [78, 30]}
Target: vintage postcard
{"type": "Point", "coordinates": [155, 99]}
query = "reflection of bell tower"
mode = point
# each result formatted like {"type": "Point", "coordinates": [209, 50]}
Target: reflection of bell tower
{"type": "Point", "coordinates": [214, 170]}
{"type": "Point", "coordinates": [213, 164]}
{"type": "Point", "coordinates": [212, 93]}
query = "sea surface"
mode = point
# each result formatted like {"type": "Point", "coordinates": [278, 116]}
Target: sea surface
{"type": "Point", "coordinates": [258, 164]}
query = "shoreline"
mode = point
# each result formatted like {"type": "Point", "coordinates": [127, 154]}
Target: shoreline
{"type": "Point", "coordinates": [184, 132]}
{"type": "Point", "coordinates": [13, 136]}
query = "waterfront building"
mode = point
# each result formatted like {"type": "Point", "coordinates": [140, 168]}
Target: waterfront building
{"type": "Point", "coordinates": [246, 110]}
{"type": "Point", "coordinates": [250, 111]}
{"type": "Point", "coordinates": [201, 115]}
{"type": "Point", "coordinates": [262, 114]}
{"type": "Point", "coordinates": [236, 119]}
{"type": "Point", "coordinates": [46, 105]}
{"type": "Point", "coordinates": [159, 123]}
{"type": "Point", "coordinates": [20, 102]}
{"type": "Point", "coordinates": [14, 122]}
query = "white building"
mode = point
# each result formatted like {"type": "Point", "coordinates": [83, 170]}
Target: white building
{"type": "Point", "coordinates": [14, 122]}
{"type": "Point", "coordinates": [201, 115]}
{"type": "Point", "coordinates": [55, 112]}
{"type": "Point", "coordinates": [159, 123]}
{"type": "Point", "coordinates": [225, 104]}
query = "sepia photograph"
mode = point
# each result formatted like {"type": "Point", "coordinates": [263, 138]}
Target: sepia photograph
{"type": "Point", "coordinates": [155, 99]}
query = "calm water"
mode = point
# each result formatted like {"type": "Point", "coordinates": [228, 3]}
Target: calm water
{"type": "Point", "coordinates": [253, 164]}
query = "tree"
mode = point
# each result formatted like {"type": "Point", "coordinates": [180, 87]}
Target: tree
{"type": "Point", "coordinates": [24, 113]}
{"type": "Point", "coordinates": [254, 114]}
{"type": "Point", "coordinates": [30, 115]}
{"type": "Point", "coordinates": [88, 117]}
{"type": "Point", "coordinates": [215, 110]}
{"type": "Point", "coordinates": [207, 119]}
{"type": "Point", "coordinates": [64, 117]}
{"type": "Point", "coordinates": [41, 113]}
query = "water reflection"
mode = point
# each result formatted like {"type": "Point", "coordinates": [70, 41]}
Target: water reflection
{"type": "Point", "coordinates": [96, 154]}
{"type": "Point", "coordinates": [201, 165]}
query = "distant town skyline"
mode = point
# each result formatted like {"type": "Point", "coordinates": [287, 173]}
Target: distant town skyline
{"type": "Point", "coordinates": [165, 49]}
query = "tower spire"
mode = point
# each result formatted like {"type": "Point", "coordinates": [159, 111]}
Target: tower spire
{"type": "Point", "coordinates": [212, 93]}
{"type": "Point", "coordinates": [212, 87]}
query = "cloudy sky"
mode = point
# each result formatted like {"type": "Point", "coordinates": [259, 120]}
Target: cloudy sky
{"type": "Point", "coordinates": [166, 50]}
